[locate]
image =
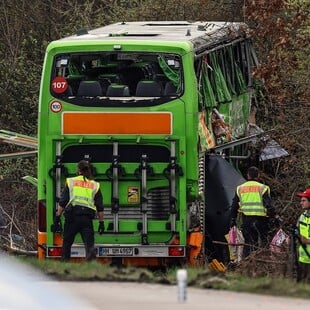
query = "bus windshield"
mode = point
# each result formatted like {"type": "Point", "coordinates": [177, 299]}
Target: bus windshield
{"type": "Point", "coordinates": [105, 78]}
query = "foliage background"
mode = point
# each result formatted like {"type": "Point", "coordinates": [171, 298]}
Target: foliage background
{"type": "Point", "coordinates": [280, 31]}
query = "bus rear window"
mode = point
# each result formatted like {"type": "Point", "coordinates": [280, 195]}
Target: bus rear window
{"type": "Point", "coordinates": [79, 77]}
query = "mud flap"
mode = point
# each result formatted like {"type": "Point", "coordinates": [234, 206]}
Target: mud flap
{"type": "Point", "coordinates": [195, 242]}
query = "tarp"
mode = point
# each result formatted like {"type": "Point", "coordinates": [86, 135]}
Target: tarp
{"type": "Point", "coordinates": [221, 182]}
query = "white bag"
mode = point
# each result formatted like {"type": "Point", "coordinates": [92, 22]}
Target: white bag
{"type": "Point", "coordinates": [240, 240]}
{"type": "Point", "coordinates": [235, 240]}
{"type": "Point", "coordinates": [279, 240]}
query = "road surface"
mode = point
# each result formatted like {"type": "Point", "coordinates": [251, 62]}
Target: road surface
{"type": "Point", "coordinates": [22, 287]}
{"type": "Point", "coordinates": [136, 296]}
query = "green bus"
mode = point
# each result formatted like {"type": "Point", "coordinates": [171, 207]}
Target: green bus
{"type": "Point", "coordinates": [154, 106]}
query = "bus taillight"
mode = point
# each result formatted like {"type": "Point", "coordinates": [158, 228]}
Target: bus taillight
{"type": "Point", "coordinates": [41, 206]}
{"type": "Point", "coordinates": [176, 251]}
{"type": "Point", "coordinates": [54, 252]}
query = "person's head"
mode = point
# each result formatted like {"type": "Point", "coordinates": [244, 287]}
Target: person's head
{"type": "Point", "coordinates": [253, 173]}
{"type": "Point", "coordinates": [305, 199]}
{"type": "Point", "coordinates": [84, 169]}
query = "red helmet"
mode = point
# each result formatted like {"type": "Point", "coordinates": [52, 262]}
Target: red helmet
{"type": "Point", "coordinates": [306, 193]}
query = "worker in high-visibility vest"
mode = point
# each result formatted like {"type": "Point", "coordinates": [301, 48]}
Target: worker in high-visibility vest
{"type": "Point", "coordinates": [80, 200]}
{"type": "Point", "coordinates": [303, 226]}
{"type": "Point", "coordinates": [253, 201]}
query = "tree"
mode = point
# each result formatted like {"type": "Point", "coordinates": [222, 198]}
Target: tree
{"type": "Point", "coordinates": [281, 30]}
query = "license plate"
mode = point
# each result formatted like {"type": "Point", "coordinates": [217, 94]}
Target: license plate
{"type": "Point", "coordinates": [115, 251]}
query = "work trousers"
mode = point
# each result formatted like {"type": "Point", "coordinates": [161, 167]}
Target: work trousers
{"type": "Point", "coordinates": [255, 232]}
{"type": "Point", "coordinates": [75, 224]}
{"type": "Point", "coordinates": [303, 273]}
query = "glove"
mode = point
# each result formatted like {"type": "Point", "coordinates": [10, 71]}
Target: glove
{"type": "Point", "coordinates": [271, 213]}
{"type": "Point", "coordinates": [56, 226]}
{"type": "Point", "coordinates": [101, 227]}
{"type": "Point", "coordinates": [233, 223]}
{"type": "Point", "coordinates": [276, 221]}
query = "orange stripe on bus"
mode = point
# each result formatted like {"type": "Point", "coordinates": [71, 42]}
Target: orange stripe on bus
{"type": "Point", "coordinates": [117, 123]}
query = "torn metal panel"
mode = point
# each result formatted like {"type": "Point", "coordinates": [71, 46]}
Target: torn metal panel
{"type": "Point", "coordinates": [18, 139]}
{"type": "Point", "coordinates": [30, 179]}
{"type": "Point", "coordinates": [271, 148]}
{"type": "Point", "coordinates": [18, 155]}
{"type": "Point", "coordinates": [234, 143]}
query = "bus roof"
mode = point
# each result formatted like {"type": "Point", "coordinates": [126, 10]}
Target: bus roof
{"type": "Point", "coordinates": [198, 33]}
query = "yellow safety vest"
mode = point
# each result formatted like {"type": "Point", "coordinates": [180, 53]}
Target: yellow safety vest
{"type": "Point", "coordinates": [304, 231]}
{"type": "Point", "coordinates": [82, 192]}
{"type": "Point", "coordinates": [251, 198]}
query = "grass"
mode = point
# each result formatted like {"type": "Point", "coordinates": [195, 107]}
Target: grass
{"type": "Point", "coordinates": [197, 277]}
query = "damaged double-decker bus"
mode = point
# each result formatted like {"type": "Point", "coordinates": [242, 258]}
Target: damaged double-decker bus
{"type": "Point", "coordinates": [152, 106]}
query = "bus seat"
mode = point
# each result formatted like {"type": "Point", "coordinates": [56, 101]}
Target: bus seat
{"type": "Point", "coordinates": [89, 88]}
{"type": "Point", "coordinates": [117, 90]}
{"type": "Point", "coordinates": [69, 91]}
{"type": "Point", "coordinates": [148, 88]}
{"type": "Point", "coordinates": [113, 77]}
{"type": "Point", "coordinates": [105, 83]}
{"type": "Point", "coordinates": [131, 76]}
{"type": "Point", "coordinates": [170, 89]}
{"type": "Point", "coordinates": [161, 78]}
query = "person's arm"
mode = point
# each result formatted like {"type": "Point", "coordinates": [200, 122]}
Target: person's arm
{"type": "Point", "coordinates": [63, 201]}
{"type": "Point", "coordinates": [304, 240]}
{"type": "Point", "coordinates": [59, 211]}
{"type": "Point", "coordinates": [101, 216]}
{"type": "Point", "coordinates": [234, 210]}
{"type": "Point", "coordinates": [99, 205]}
{"type": "Point", "coordinates": [267, 202]}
